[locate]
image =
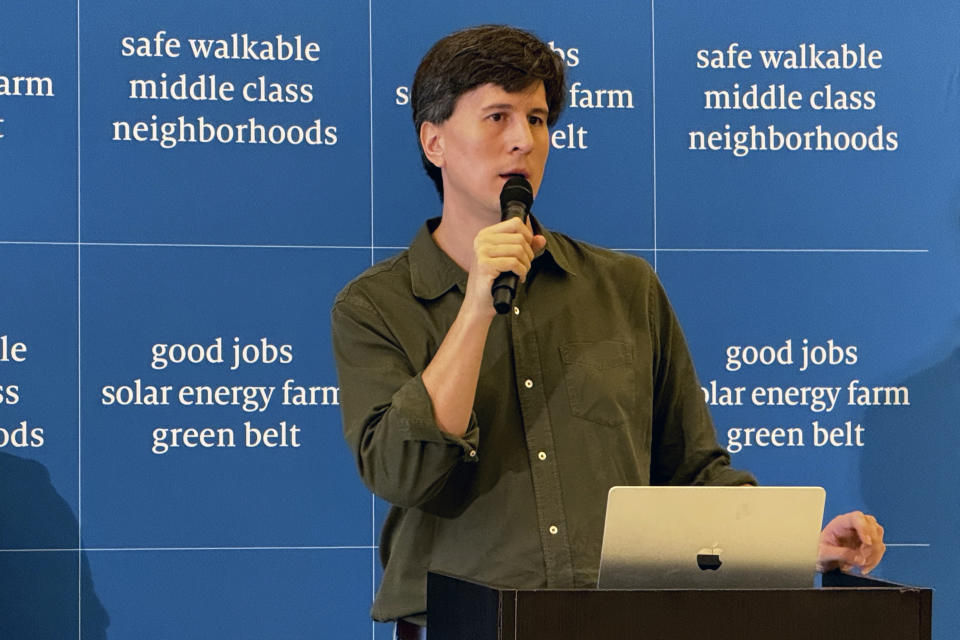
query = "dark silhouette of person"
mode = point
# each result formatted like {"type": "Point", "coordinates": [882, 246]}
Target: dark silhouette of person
{"type": "Point", "coordinates": [46, 590]}
{"type": "Point", "coordinates": [910, 475]}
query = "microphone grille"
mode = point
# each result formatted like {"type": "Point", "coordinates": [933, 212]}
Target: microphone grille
{"type": "Point", "coordinates": [516, 189]}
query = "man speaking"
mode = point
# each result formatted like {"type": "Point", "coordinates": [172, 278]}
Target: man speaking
{"type": "Point", "coordinates": [496, 436]}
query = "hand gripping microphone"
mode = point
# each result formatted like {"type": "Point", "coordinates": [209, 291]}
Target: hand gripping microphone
{"type": "Point", "coordinates": [515, 200]}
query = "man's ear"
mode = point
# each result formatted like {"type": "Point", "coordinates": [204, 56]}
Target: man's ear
{"type": "Point", "coordinates": [431, 141]}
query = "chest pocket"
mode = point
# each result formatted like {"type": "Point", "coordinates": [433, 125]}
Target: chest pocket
{"type": "Point", "coordinates": [601, 381]}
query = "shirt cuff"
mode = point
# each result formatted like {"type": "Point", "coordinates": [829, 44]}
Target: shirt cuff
{"type": "Point", "coordinates": [415, 412]}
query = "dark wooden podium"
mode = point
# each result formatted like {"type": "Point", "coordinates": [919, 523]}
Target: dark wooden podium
{"type": "Point", "coordinates": [846, 608]}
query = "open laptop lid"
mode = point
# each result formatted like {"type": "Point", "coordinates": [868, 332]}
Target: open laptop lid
{"type": "Point", "coordinates": [711, 537]}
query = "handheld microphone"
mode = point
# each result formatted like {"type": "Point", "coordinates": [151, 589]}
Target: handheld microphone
{"type": "Point", "coordinates": [515, 200]}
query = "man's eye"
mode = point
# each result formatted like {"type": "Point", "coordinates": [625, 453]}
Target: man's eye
{"type": "Point", "coordinates": [496, 117]}
{"type": "Point", "coordinates": [537, 120]}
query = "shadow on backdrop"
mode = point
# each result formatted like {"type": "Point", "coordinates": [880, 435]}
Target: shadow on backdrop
{"type": "Point", "coordinates": [39, 582]}
{"type": "Point", "coordinates": [910, 476]}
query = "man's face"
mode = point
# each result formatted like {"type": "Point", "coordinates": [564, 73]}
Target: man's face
{"type": "Point", "coordinates": [491, 134]}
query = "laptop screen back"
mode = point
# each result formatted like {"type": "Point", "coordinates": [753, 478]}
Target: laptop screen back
{"type": "Point", "coordinates": [711, 537]}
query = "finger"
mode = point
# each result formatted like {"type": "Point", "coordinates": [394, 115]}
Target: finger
{"type": "Point", "coordinates": [830, 556]}
{"type": "Point", "coordinates": [875, 554]}
{"type": "Point", "coordinates": [506, 240]}
{"type": "Point", "coordinates": [510, 264]}
{"type": "Point", "coordinates": [538, 243]}
{"type": "Point", "coordinates": [863, 558]}
{"type": "Point", "coordinates": [865, 526]}
{"type": "Point", "coordinates": [834, 554]}
{"type": "Point", "coordinates": [852, 522]}
{"type": "Point", "coordinates": [521, 253]}
{"type": "Point", "coordinates": [513, 225]}
{"type": "Point", "coordinates": [509, 247]}
{"type": "Point", "coordinates": [498, 233]}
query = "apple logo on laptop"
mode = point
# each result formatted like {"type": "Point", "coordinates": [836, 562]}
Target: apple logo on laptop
{"type": "Point", "coordinates": [709, 559]}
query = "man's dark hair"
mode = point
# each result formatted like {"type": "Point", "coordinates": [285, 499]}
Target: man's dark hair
{"type": "Point", "coordinates": [508, 57]}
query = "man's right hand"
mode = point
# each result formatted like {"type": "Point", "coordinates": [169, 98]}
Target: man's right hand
{"type": "Point", "coordinates": [451, 377]}
{"type": "Point", "coordinates": [509, 245]}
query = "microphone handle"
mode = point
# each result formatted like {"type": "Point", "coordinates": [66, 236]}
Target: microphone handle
{"type": "Point", "coordinates": [505, 285]}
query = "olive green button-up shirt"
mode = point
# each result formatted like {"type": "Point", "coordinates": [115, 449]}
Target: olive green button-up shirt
{"type": "Point", "coordinates": [586, 384]}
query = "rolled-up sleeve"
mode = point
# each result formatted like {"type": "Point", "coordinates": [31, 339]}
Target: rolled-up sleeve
{"type": "Point", "coordinates": [388, 420]}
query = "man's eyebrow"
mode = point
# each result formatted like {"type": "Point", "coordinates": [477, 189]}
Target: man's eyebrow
{"type": "Point", "coordinates": [507, 106]}
{"type": "Point", "coordinates": [500, 105]}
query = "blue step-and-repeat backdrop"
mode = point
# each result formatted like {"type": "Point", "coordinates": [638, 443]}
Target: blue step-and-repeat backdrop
{"type": "Point", "coordinates": [185, 186]}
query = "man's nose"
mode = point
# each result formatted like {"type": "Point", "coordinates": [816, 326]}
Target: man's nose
{"type": "Point", "coordinates": [521, 136]}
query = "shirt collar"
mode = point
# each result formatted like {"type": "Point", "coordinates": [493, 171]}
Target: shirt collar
{"type": "Point", "coordinates": [433, 272]}
{"type": "Point", "coordinates": [557, 247]}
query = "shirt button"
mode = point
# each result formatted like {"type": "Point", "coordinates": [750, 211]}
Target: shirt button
{"type": "Point", "coordinates": [528, 383]}
{"type": "Point", "coordinates": [516, 311]}
{"type": "Point", "coordinates": [542, 455]}
{"type": "Point", "coordinates": [473, 453]}
{"type": "Point", "coordinates": [553, 530]}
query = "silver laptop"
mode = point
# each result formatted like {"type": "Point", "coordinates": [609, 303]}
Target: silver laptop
{"type": "Point", "coordinates": [711, 537]}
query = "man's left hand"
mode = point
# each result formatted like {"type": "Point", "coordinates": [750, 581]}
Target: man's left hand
{"type": "Point", "coordinates": [851, 540]}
